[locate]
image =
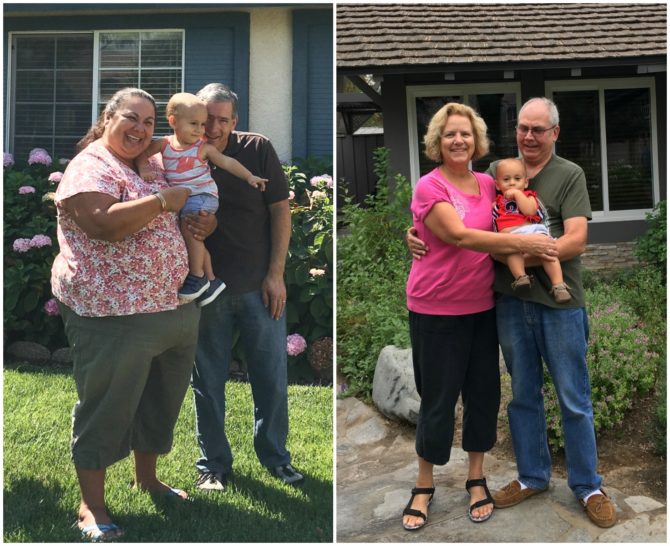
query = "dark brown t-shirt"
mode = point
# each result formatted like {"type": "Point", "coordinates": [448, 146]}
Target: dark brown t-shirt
{"type": "Point", "coordinates": [241, 244]}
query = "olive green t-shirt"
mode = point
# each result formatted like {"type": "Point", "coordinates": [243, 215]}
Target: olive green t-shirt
{"type": "Point", "coordinates": [561, 189]}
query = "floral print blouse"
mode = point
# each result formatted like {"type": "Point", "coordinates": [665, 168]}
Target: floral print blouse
{"type": "Point", "coordinates": [141, 273]}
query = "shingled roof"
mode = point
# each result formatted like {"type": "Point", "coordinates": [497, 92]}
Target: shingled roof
{"type": "Point", "coordinates": [378, 36]}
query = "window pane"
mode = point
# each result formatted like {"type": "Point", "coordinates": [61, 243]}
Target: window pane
{"type": "Point", "coordinates": [52, 93]}
{"type": "Point", "coordinates": [34, 119]}
{"type": "Point", "coordinates": [161, 49]}
{"type": "Point", "coordinates": [579, 139]}
{"type": "Point", "coordinates": [162, 84]}
{"type": "Point", "coordinates": [628, 148]}
{"type": "Point", "coordinates": [426, 107]}
{"type": "Point", "coordinates": [74, 52]}
{"type": "Point", "coordinates": [34, 85]}
{"type": "Point", "coordinates": [112, 81]}
{"type": "Point", "coordinates": [499, 113]}
{"type": "Point", "coordinates": [119, 49]}
{"type": "Point", "coordinates": [64, 147]}
{"type": "Point", "coordinates": [74, 86]}
{"type": "Point", "coordinates": [35, 52]}
{"type": "Point", "coordinates": [73, 119]}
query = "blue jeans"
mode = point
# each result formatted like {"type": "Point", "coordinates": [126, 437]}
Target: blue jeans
{"type": "Point", "coordinates": [528, 334]}
{"type": "Point", "coordinates": [264, 341]}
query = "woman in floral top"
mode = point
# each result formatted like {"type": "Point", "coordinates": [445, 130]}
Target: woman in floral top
{"type": "Point", "coordinates": [121, 262]}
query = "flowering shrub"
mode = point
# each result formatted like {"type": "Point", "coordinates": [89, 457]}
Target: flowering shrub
{"type": "Point", "coordinates": [30, 313]}
{"type": "Point", "coordinates": [309, 267]}
{"type": "Point", "coordinates": [620, 361]}
{"type": "Point", "coordinates": [295, 344]}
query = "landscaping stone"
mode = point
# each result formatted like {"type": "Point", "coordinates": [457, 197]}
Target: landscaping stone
{"type": "Point", "coordinates": [28, 351]}
{"type": "Point", "coordinates": [62, 357]}
{"type": "Point", "coordinates": [393, 389]}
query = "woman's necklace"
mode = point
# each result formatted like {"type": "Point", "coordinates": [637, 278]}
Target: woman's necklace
{"type": "Point", "coordinates": [465, 182]}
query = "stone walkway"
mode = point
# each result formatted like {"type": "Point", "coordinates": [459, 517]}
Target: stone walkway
{"type": "Point", "coordinates": [376, 467]}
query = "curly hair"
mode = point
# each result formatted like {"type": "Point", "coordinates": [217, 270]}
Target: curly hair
{"type": "Point", "coordinates": [439, 120]}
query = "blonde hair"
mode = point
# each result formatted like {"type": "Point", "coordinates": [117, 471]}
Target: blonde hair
{"type": "Point", "coordinates": [180, 101]}
{"type": "Point", "coordinates": [434, 133]}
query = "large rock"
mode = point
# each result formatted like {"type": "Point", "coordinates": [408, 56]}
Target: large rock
{"type": "Point", "coordinates": [62, 357]}
{"type": "Point", "coordinates": [28, 351]}
{"type": "Point", "coordinates": [393, 389]}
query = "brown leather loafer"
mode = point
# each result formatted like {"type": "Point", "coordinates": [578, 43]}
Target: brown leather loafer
{"type": "Point", "coordinates": [512, 494]}
{"type": "Point", "coordinates": [600, 510]}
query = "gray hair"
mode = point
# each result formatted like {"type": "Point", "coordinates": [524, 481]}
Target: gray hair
{"type": "Point", "coordinates": [217, 92]}
{"type": "Point", "coordinates": [549, 104]}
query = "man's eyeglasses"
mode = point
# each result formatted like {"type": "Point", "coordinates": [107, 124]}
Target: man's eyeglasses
{"type": "Point", "coordinates": [536, 131]}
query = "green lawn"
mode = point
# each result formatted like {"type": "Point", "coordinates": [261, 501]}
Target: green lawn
{"type": "Point", "coordinates": [41, 496]}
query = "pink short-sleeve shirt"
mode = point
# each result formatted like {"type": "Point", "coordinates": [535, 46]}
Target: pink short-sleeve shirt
{"type": "Point", "coordinates": [141, 273]}
{"type": "Point", "coordinates": [450, 280]}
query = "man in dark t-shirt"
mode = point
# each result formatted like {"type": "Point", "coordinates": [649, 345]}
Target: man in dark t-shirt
{"type": "Point", "coordinates": [248, 248]}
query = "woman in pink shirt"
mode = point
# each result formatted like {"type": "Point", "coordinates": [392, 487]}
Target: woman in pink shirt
{"type": "Point", "coordinates": [451, 307]}
{"type": "Point", "coordinates": [121, 262]}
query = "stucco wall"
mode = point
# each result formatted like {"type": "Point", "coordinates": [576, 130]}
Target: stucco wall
{"type": "Point", "coordinates": [270, 77]}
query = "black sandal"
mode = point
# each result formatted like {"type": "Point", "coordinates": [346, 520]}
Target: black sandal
{"type": "Point", "coordinates": [480, 482]}
{"type": "Point", "coordinates": [409, 511]}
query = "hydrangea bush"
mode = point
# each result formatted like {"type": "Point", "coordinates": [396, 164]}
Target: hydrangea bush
{"type": "Point", "coordinates": [30, 312]}
{"type": "Point", "coordinates": [309, 267]}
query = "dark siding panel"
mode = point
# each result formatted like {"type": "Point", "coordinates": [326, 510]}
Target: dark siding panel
{"type": "Point", "coordinates": [355, 164]}
{"type": "Point", "coordinates": [220, 54]}
{"type": "Point", "coordinates": [313, 84]}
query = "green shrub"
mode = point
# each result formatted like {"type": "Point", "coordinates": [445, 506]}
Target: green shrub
{"type": "Point", "coordinates": [309, 267]}
{"type": "Point", "coordinates": [372, 268]}
{"type": "Point", "coordinates": [30, 245]}
{"type": "Point", "coordinates": [651, 248]}
{"type": "Point", "coordinates": [620, 360]}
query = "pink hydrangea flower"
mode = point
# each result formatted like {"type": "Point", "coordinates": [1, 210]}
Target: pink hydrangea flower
{"type": "Point", "coordinates": [38, 241]}
{"type": "Point", "coordinates": [22, 245]}
{"type": "Point", "coordinates": [39, 155]}
{"type": "Point", "coordinates": [8, 160]}
{"type": "Point", "coordinates": [55, 176]}
{"type": "Point", "coordinates": [295, 344]}
{"type": "Point", "coordinates": [314, 272]}
{"type": "Point", "coordinates": [26, 189]}
{"type": "Point", "coordinates": [51, 307]}
{"type": "Point", "coordinates": [324, 179]}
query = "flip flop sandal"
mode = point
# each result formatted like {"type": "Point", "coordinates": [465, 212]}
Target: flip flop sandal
{"type": "Point", "coordinates": [481, 482]}
{"type": "Point", "coordinates": [409, 511]}
{"type": "Point", "coordinates": [175, 493]}
{"type": "Point", "coordinates": [99, 532]}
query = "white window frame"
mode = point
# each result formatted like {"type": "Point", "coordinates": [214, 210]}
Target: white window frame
{"type": "Point", "coordinates": [416, 91]}
{"type": "Point", "coordinates": [9, 99]}
{"type": "Point", "coordinates": [601, 85]}
{"type": "Point", "coordinates": [96, 58]}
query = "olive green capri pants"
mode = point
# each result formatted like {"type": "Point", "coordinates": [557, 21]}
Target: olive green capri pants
{"type": "Point", "coordinates": [131, 373]}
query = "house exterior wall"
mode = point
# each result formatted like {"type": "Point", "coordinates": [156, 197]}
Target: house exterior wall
{"type": "Point", "coordinates": [270, 81]}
